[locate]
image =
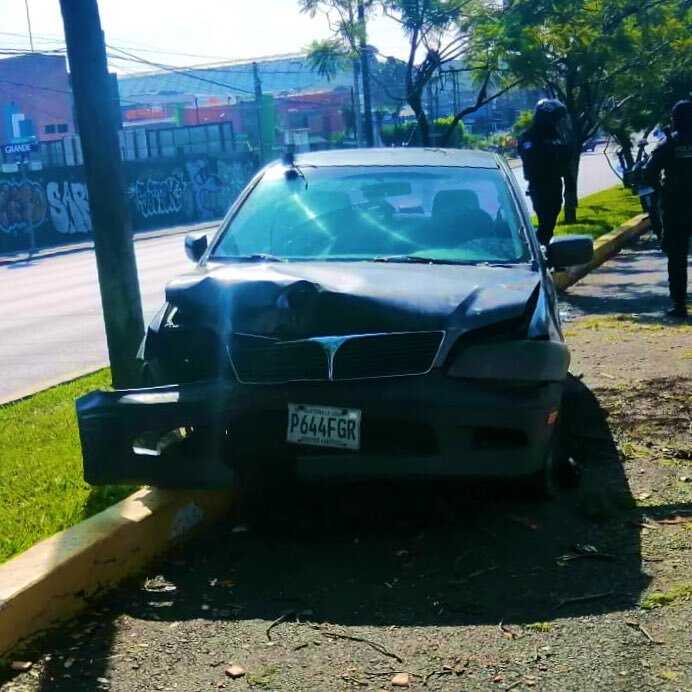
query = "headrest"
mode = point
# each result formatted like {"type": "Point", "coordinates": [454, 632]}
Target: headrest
{"type": "Point", "coordinates": [456, 201]}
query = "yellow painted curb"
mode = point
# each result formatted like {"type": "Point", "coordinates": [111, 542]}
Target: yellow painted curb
{"type": "Point", "coordinates": [52, 580]}
{"type": "Point", "coordinates": [604, 248]}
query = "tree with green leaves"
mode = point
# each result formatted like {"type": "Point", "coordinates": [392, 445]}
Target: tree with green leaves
{"type": "Point", "coordinates": [523, 122]}
{"type": "Point", "coordinates": [448, 37]}
{"type": "Point", "coordinates": [580, 51]}
{"type": "Point", "coordinates": [347, 21]}
{"type": "Point", "coordinates": [655, 91]}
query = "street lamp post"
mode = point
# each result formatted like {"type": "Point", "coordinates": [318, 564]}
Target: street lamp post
{"type": "Point", "coordinates": [23, 164]}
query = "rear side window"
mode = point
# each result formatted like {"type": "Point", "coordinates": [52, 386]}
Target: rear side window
{"type": "Point", "coordinates": [464, 215]}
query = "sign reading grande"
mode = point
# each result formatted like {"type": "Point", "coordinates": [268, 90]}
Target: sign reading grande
{"type": "Point", "coordinates": [20, 148]}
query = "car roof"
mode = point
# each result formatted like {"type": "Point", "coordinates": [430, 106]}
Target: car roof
{"type": "Point", "coordinates": [399, 156]}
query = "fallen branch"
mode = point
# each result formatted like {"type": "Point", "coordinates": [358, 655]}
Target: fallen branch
{"type": "Point", "coordinates": [584, 599]}
{"type": "Point", "coordinates": [507, 633]}
{"type": "Point", "coordinates": [585, 551]}
{"type": "Point", "coordinates": [434, 673]}
{"type": "Point", "coordinates": [644, 525]}
{"type": "Point", "coordinates": [475, 574]}
{"type": "Point", "coordinates": [282, 618]}
{"type": "Point", "coordinates": [373, 645]}
{"type": "Point", "coordinates": [674, 521]}
{"type": "Point", "coordinates": [640, 628]}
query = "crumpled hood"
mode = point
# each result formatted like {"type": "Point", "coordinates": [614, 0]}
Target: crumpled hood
{"type": "Point", "coordinates": [309, 299]}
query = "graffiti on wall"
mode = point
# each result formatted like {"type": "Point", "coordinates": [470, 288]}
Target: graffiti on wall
{"type": "Point", "coordinates": [164, 194]}
{"type": "Point", "coordinates": [160, 196]}
{"type": "Point", "coordinates": [69, 207]}
{"type": "Point", "coordinates": [20, 202]}
{"type": "Point", "coordinates": [236, 174]}
{"type": "Point", "coordinates": [199, 190]}
{"type": "Point", "coordinates": [212, 194]}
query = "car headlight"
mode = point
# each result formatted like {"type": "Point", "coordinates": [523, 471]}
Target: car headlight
{"type": "Point", "coordinates": [525, 360]}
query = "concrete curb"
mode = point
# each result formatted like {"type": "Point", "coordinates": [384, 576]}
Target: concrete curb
{"type": "Point", "coordinates": [18, 257]}
{"type": "Point", "coordinates": [53, 580]}
{"type": "Point", "coordinates": [19, 394]}
{"type": "Point", "coordinates": [605, 247]}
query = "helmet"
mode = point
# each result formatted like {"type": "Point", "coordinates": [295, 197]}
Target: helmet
{"type": "Point", "coordinates": [682, 115]}
{"type": "Point", "coordinates": [550, 111]}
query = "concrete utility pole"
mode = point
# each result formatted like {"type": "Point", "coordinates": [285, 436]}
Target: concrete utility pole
{"type": "Point", "coordinates": [356, 101]}
{"type": "Point", "coordinates": [365, 71]}
{"type": "Point", "coordinates": [28, 23]}
{"type": "Point", "coordinates": [110, 214]}
{"type": "Point", "coordinates": [258, 107]}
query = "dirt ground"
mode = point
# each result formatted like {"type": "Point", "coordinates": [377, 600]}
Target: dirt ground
{"type": "Point", "coordinates": [439, 586]}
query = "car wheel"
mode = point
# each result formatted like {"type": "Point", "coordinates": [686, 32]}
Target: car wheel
{"type": "Point", "coordinates": [558, 471]}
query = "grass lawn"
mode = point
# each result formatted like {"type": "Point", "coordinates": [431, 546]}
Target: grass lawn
{"type": "Point", "coordinates": [41, 485]}
{"type": "Point", "coordinates": [602, 212]}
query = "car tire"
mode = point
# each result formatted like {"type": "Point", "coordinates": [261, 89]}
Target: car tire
{"type": "Point", "coordinates": [558, 471]}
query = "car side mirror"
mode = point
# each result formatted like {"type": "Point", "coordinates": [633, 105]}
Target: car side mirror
{"type": "Point", "coordinates": [196, 245]}
{"type": "Point", "coordinates": [570, 251]}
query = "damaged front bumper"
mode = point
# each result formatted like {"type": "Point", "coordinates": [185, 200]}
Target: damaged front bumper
{"type": "Point", "coordinates": [168, 436]}
{"type": "Point", "coordinates": [191, 435]}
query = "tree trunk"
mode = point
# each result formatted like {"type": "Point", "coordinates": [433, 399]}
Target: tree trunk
{"type": "Point", "coordinates": [624, 141]}
{"type": "Point", "coordinates": [571, 179]}
{"type": "Point", "coordinates": [416, 104]}
{"type": "Point", "coordinates": [365, 67]}
{"type": "Point", "coordinates": [356, 100]}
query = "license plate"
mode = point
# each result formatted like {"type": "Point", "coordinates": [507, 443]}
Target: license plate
{"type": "Point", "coordinates": [324, 426]}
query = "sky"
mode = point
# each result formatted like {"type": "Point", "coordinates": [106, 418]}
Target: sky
{"type": "Point", "coordinates": [187, 33]}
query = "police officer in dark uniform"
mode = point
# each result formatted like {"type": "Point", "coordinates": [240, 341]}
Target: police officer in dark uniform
{"type": "Point", "coordinates": [545, 157]}
{"type": "Point", "coordinates": [673, 158]}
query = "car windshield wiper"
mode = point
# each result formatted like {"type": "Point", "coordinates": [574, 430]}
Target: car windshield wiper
{"type": "Point", "coordinates": [417, 259]}
{"type": "Point", "coordinates": [500, 265]}
{"type": "Point", "coordinates": [255, 257]}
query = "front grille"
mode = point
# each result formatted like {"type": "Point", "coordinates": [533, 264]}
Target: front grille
{"type": "Point", "coordinates": [264, 361]}
{"type": "Point", "coordinates": [386, 355]}
{"type": "Point", "coordinates": [259, 360]}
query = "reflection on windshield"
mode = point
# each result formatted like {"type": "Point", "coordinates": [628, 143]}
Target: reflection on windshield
{"type": "Point", "coordinates": [451, 215]}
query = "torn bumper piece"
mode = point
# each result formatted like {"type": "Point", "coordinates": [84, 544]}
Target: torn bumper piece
{"type": "Point", "coordinates": [168, 436]}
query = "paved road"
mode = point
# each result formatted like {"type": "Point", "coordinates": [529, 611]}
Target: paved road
{"type": "Point", "coordinates": [51, 326]}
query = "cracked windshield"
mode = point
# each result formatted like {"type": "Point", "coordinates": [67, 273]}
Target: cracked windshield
{"type": "Point", "coordinates": [345, 345]}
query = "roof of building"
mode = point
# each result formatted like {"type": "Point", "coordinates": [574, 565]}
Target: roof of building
{"type": "Point", "coordinates": [399, 156]}
{"type": "Point", "coordinates": [286, 74]}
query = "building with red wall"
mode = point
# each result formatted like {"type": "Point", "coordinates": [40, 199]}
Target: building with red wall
{"type": "Point", "coordinates": [35, 98]}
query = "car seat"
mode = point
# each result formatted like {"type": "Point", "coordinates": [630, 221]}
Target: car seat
{"type": "Point", "coordinates": [457, 217]}
{"type": "Point", "coordinates": [313, 225]}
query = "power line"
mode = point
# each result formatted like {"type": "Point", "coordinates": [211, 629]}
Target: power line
{"type": "Point", "coordinates": [182, 72]}
{"type": "Point", "coordinates": [57, 91]}
{"type": "Point", "coordinates": [234, 69]}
